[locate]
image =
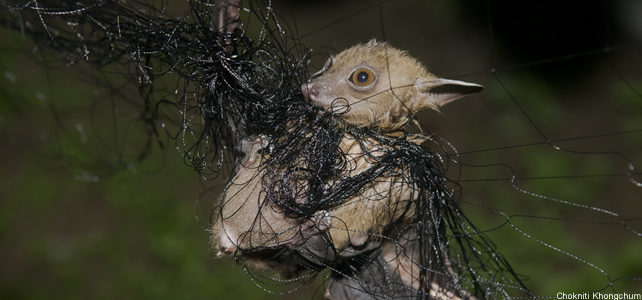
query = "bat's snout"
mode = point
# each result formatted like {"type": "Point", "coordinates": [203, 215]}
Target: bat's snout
{"type": "Point", "coordinates": [310, 91]}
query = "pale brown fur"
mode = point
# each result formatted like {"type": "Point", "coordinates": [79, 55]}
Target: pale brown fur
{"type": "Point", "coordinates": [245, 220]}
{"type": "Point", "coordinates": [402, 87]}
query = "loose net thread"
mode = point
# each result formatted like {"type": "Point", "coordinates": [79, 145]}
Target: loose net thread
{"type": "Point", "coordinates": [214, 90]}
{"type": "Point", "coordinates": [225, 98]}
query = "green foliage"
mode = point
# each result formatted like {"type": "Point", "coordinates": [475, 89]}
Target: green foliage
{"type": "Point", "coordinates": [138, 231]}
{"type": "Point", "coordinates": [70, 234]}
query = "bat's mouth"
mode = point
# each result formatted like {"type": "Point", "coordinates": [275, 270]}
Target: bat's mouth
{"type": "Point", "coordinates": [310, 92]}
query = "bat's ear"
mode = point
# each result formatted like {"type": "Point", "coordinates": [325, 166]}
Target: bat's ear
{"type": "Point", "coordinates": [439, 92]}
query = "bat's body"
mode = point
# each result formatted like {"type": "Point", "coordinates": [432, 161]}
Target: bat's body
{"type": "Point", "coordinates": [369, 85]}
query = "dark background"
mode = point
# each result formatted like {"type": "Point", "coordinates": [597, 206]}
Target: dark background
{"type": "Point", "coordinates": [71, 230]}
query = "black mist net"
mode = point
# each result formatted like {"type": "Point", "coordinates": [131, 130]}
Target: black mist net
{"type": "Point", "coordinates": [240, 99]}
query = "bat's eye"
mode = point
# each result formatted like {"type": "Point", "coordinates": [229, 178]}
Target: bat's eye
{"type": "Point", "coordinates": [362, 77]}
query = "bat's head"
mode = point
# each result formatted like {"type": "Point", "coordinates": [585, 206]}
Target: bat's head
{"type": "Point", "coordinates": [376, 85]}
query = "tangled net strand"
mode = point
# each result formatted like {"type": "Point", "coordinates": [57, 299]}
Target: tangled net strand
{"type": "Point", "coordinates": [253, 89]}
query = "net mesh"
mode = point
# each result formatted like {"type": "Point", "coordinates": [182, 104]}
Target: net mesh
{"type": "Point", "coordinates": [299, 172]}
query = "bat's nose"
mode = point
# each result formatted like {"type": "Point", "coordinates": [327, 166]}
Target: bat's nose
{"type": "Point", "coordinates": [310, 91]}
